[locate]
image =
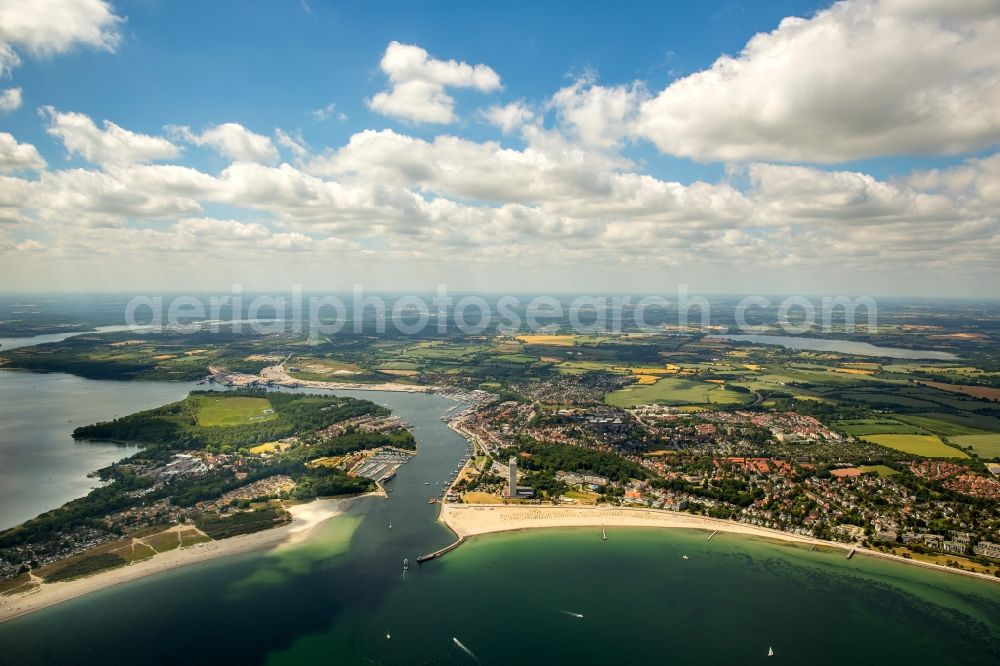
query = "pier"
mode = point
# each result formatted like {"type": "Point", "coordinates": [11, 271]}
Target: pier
{"type": "Point", "coordinates": [851, 554]}
{"type": "Point", "coordinates": [712, 535]}
{"type": "Point", "coordinates": [439, 553]}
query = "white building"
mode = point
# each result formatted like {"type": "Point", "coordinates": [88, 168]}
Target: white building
{"type": "Point", "coordinates": [512, 481]}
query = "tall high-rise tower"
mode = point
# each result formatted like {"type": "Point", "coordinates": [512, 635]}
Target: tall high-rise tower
{"type": "Point", "coordinates": [512, 483]}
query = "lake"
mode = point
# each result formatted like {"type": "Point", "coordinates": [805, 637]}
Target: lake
{"type": "Point", "coordinates": [841, 346]}
{"type": "Point", "coordinates": [41, 465]}
{"type": "Point", "coordinates": [516, 596]}
{"type": "Point", "coordinates": [6, 344]}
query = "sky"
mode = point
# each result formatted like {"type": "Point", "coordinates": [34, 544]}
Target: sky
{"type": "Point", "coordinates": [732, 147]}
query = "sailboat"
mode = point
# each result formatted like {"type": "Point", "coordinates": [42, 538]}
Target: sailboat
{"type": "Point", "coordinates": [770, 651]}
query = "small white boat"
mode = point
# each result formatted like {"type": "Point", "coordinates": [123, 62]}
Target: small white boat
{"type": "Point", "coordinates": [387, 636]}
{"type": "Point", "coordinates": [390, 524]}
{"type": "Point", "coordinates": [684, 557]}
{"type": "Point", "coordinates": [406, 564]}
{"type": "Point", "coordinates": [770, 651]}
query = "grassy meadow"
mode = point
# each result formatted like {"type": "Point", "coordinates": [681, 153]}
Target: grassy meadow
{"type": "Point", "coordinates": [233, 410]}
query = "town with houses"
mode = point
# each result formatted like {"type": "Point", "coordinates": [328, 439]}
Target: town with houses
{"type": "Point", "coordinates": [779, 470]}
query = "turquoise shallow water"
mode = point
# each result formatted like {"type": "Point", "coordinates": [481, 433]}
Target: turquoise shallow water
{"type": "Point", "coordinates": [516, 596]}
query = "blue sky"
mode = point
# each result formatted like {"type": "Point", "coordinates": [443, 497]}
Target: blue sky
{"type": "Point", "coordinates": [268, 64]}
{"type": "Point", "coordinates": [763, 145]}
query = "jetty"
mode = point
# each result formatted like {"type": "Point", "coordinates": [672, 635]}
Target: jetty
{"type": "Point", "coordinates": [851, 554]}
{"type": "Point", "coordinates": [712, 535]}
{"type": "Point", "coordinates": [439, 553]}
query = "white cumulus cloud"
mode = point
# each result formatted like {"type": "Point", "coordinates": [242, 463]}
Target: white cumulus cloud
{"type": "Point", "coordinates": [293, 142]}
{"type": "Point", "coordinates": [110, 145]}
{"type": "Point", "coordinates": [859, 79]}
{"type": "Point", "coordinates": [234, 141]}
{"type": "Point", "coordinates": [598, 116]}
{"type": "Point", "coordinates": [418, 84]}
{"type": "Point", "coordinates": [15, 156]}
{"type": "Point", "coordinates": [48, 27]}
{"type": "Point", "coordinates": [509, 117]}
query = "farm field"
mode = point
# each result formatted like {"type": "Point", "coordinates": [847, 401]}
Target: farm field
{"type": "Point", "coordinates": [982, 392]}
{"type": "Point", "coordinates": [861, 427]}
{"type": "Point", "coordinates": [938, 426]}
{"type": "Point", "coordinates": [675, 391]}
{"type": "Point", "coordinates": [929, 446]}
{"type": "Point", "coordinates": [882, 470]}
{"type": "Point", "coordinates": [580, 367]}
{"type": "Point", "coordinates": [233, 410]}
{"type": "Point", "coordinates": [550, 340]}
{"type": "Point", "coordinates": [986, 445]}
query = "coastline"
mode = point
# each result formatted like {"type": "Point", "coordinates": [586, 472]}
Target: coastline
{"type": "Point", "coordinates": [467, 520]}
{"type": "Point", "coordinates": [305, 518]}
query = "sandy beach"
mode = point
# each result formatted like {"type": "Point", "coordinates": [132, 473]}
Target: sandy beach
{"type": "Point", "coordinates": [305, 518]}
{"type": "Point", "coordinates": [472, 519]}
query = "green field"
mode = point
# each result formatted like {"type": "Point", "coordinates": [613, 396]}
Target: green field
{"type": "Point", "coordinates": [953, 424]}
{"type": "Point", "coordinates": [986, 445]}
{"type": "Point", "coordinates": [233, 410]}
{"type": "Point", "coordinates": [580, 367]}
{"type": "Point", "coordinates": [163, 541]}
{"type": "Point", "coordinates": [675, 391]}
{"type": "Point", "coordinates": [882, 470]}
{"type": "Point", "coordinates": [862, 427]}
{"type": "Point", "coordinates": [938, 426]}
{"type": "Point", "coordinates": [929, 446]}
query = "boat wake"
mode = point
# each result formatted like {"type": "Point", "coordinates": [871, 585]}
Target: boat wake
{"type": "Point", "coordinates": [465, 649]}
{"type": "Point", "coordinates": [572, 614]}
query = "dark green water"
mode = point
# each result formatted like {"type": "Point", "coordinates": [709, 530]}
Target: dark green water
{"type": "Point", "coordinates": [511, 597]}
